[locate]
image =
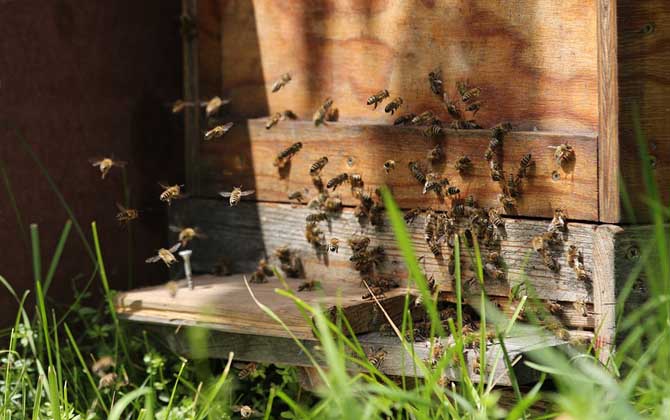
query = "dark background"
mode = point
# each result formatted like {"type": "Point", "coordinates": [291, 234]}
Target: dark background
{"type": "Point", "coordinates": [81, 79]}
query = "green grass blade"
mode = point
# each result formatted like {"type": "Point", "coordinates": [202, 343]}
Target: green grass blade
{"type": "Point", "coordinates": [38, 399]}
{"type": "Point", "coordinates": [57, 254]}
{"type": "Point", "coordinates": [126, 400]}
{"type": "Point", "coordinates": [54, 395]}
{"type": "Point", "coordinates": [44, 321]}
{"type": "Point", "coordinates": [37, 259]}
{"type": "Point", "coordinates": [174, 388]}
{"type": "Point", "coordinates": [15, 207]}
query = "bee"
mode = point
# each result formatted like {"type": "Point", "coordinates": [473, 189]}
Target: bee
{"type": "Point", "coordinates": [377, 98]}
{"type": "Point", "coordinates": [100, 366]}
{"type": "Point", "coordinates": [377, 215]}
{"type": "Point", "coordinates": [435, 248]}
{"type": "Point", "coordinates": [435, 80]}
{"type": "Point", "coordinates": [558, 223]}
{"type": "Point", "coordinates": [572, 255]}
{"type": "Point", "coordinates": [580, 307]}
{"type": "Point", "coordinates": [463, 164]}
{"type": "Point", "coordinates": [507, 202]}
{"type": "Point", "coordinates": [244, 410]}
{"type": "Point", "coordinates": [334, 245]}
{"type": "Point", "coordinates": [411, 214]}
{"type": "Point", "coordinates": [514, 185]}
{"type": "Point", "coordinates": [165, 255]}
{"type": "Point", "coordinates": [393, 106]}
{"type": "Point", "coordinates": [434, 183]}
{"type": "Point", "coordinates": [283, 254]}
{"type": "Point", "coordinates": [337, 181]}
{"type": "Point", "coordinates": [550, 262]}
{"type": "Point", "coordinates": [433, 131]}
{"type": "Point", "coordinates": [105, 164]}
{"type": "Point", "coordinates": [263, 271]}
{"type": "Point", "coordinates": [430, 227]}
{"type": "Point", "coordinates": [470, 201]}
{"type": "Point", "coordinates": [576, 261]}
{"type": "Point", "coordinates": [423, 118]}
{"type": "Point", "coordinates": [309, 285]}
{"type": "Point", "coordinates": [524, 165]}
{"type": "Point", "coordinates": [453, 190]}
{"type": "Point", "coordinates": [317, 181]}
{"type": "Point", "coordinates": [297, 196]}
{"type": "Point", "coordinates": [553, 307]}
{"type": "Point", "coordinates": [313, 234]}
{"type": "Point", "coordinates": [494, 271]}
{"type": "Point", "coordinates": [285, 155]}
{"type": "Point", "coordinates": [187, 234]}
{"type": "Point", "coordinates": [170, 192]}
{"type": "Point", "coordinates": [294, 268]}
{"type": "Point", "coordinates": [332, 115]}
{"type": "Point", "coordinates": [474, 108]}
{"type": "Point", "coordinates": [470, 94]}
{"type": "Point", "coordinates": [213, 106]}
{"type": "Point", "coordinates": [218, 131]}
{"type": "Point", "coordinates": [274, 120]}
{"type": "Point", "coordinates": [496, 220]}
{"type": "Point", "coordinates": [247, 370]}
{"type": "Point", "coordinates": [496, 171]}
{"type": "Point", "coordinates": [417, 172]}
{"type": "Point", "coordinates": [236, 195]}
{"type": "Point", "coordinates": [493, 257]}
{"type": "Point", "coordinates": [389, 165]}
{"type": "Point", "coordinates": [539, 244]}
{"type": "Point", "coordinates": [499, 131]}
{"type": "Point", "coordinates": [356, 180]}
{"type": "Point", "coordinates": [436, 154]}
{"type": "Point", "coordinates": [316, 217]}
{"type": "Point", "coordinates": [404, 119]}
{"type": "Point", "coordinates": [563, 154]}
{"type": "Point", "coordinates": [126, 215]}
{"type": "Point", "coordinates": [453, 110]}
{"type": "Point", "coordinates": [358, 243]}
{"type": "Point", "coordinates": [179, 105]}
{"type": "Point", "coordinates": [489, 154]}
{"type": "Point", "coordinates": [107, 380]}
{"type": "Point", "coordinates": [333, 204]}
{"type": "Point", "coordinates": [317, 166]}
{"type": "Point", "coordinates": [281, 82]}
{"type": "Point", "coordinates": [320, 115]}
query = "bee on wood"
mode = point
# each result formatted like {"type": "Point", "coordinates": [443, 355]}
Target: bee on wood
{"type": "Point", "coordinates": [284, 157]}
{"type": "Point", "coordinates": [575, 259]}
{"type": "Point", "coordinates": [453, 190]}
{"type": "Point", "coordinates": [377, 98]}
{"type": "Point", "coordinates": [580, 307]}
{"type": "Point", "coordinates": [563, 154]}
{"type": "Point", "coordinates": [572, 255]}
{"type": "Point", "coordinates": [550, 262]}
{"type": "Point", "coordinates": [434, 183]}
{"type": "Point", "coordinates": [557, 329]}
{"type": "Point", "coordinates": [377, 215]}
{"type": "Point", "coordinates": [263, 271]}
{"type": "Point", "coordinates": [274, 120]}
{"type": "Point", "coordinates": [411, 214]}
{"type": "Point", "coordinates": [126, 215]}
{"type": "Point", "coordinates": [218, 131]}
{"type": "Point", "coordinates": [247, 370]}
{"type": "Point", "coordinates": [430, 227]}
{"type": "Point", "coordinates": [423, 118]}
{"type": "Point", "coordinates": [417, 172]}
{"type": "Point", "coordinates": [389, 165]}
{"type": "Point", "coordinates": [470, 94]}
{"type": "Point", "coordinates": [493, 257]}
{"type": "Point", "coordinates": [524, 165]}
{"type": "Point", "coordinates": [436, 154]}
{"type": "Point", "coordinates": [463, 164]}
{"type": "Point", "coordinates": [317, 181]}
{"type": "Point", "coordinates": [337, 181]}
{"type": "Point", "coordinates": [553, 307]}
{"type": "Point", "coordinates": [435, 80]}
{"type": "Point", "coordinates": [314, 235]}
{"type": "Point", "coordinates": [334, 245]}
{"type": "Point", "coordinates": [499, 131]}
{"type": "Point", "coordinates": [404, 119]}
{"type": "Point", "coordinates": [283, 254]}
{"type": "Point", "coordinates": [309, 285]}
{"type": "Point", "coordinates": [393, 106]}
{"type": "Point", "coordinates": [433, 131]}
{"type": "Point", "coordinates": [316, 217]}
{"type": "Point", "coordinates": [508, 203]}
{"type": "Point", "coordinates": [356, 180]}
{"type": "Point", "coordinates": [187, 234]}
{"type": "Point", "coordinates": [246, 411]}
{"type": "Point", "coordinates": [358, 243]}
{"type": "Point", "coordinates": [297, 196]}
{"type": "Point", "coordinates": [170, 192]}
{"type": "Point", "coordinates": [332, 115]}
{"type": "Point", "coordinates": [281, 82]}
{"type": "Point", "coordinates": [474, 108]}
{"type": "Point", "coordinates": [235, 195]}
{"type": "Point", "coordinates": [317, 166]}
{"type": "Point", "coordinates": [165, 255]}
{"type": "Point", "coordinates": [320, 115]}
{"type": "Point", "coordinates": [514, 185]}
{"type": "Point", "coordinates": [489, 154]}
{"type": "Point", "coordinates": [558, 223]}
{"type": "Point", "coordinates": [469, 201]}
{"type": "Point", "coordinates": [213, 106]}
{"type": "Point", "coordinates": [435, 248]}
{"type": "Point", "coordinates": [497, 173]}
{"type": "Point", "coordinates": [495, 219]}
{"type": "Point", "coordinates": [333, 204]}
{"type": "Point", "coordinates": [105, 164]}
{"type": "Point", "coordinates": [494, 271]}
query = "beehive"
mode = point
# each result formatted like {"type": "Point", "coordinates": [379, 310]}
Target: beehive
{"type": "Point", "coordinates": [561, 74]}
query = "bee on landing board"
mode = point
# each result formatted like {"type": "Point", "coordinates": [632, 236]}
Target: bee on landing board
{"type": "Point", "coordinates": [187, 234]}
{"type": "Point", "coordinates": [317, 166]}
{"type": "Point", "coordinates": [376, 358]}
{"type": "Point", "coordinates": [281, 82]}
{"type": "Point", "coordinates": [170, 192]}
{"type": "Point", "coordinates": [393, 106]}
{"type": "Point", "coordinates": [563, 154]}
{"type": "Point", "coordinates": [337, 181]}
{"type": "Point", "coordinates": [309, 285]}
{"type": "Point", "coordinates": [105, 164]}
{"type": "Point", "coordinates": [389, 165]}
{"type": "Point", "coordinates": [274, 120]}
{"type": "Point", "coordinates": [218, 131]}
{"type": "Point", "coordinates": [165, 255]}
{"type": "Point", "coordinates": [334, 245]}
{"type": "Point", "coordinates": [435, 80]}
{"type": "Point", "coordinates": [377, 98]}
{"type": "Point", "coordinates": [126, 215]}
{"type": "Point", "coordinates": [235, 195]}
{"type": "Point", "coordinates": [404, 119]}
{"type": "Point", "coordinates": [285, 156]}
{"type": "Point", "coordinates": [463, 164]}
{"type": "Point", "coordinates": [321, 114]}
{"type": "Point", "coordinates": [417, 172]}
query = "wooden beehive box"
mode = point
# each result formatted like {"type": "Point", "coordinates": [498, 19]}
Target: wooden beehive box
{"type": "Point", "coordinates": [560, 73]}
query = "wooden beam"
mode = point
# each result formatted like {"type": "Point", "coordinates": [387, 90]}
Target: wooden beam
{"type": "Point", "coordinates": [245, 157]}
{"type": "Point", "coordinates": [191, 94]}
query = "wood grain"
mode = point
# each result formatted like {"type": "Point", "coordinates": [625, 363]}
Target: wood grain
{"type": "Point", "coordinates": [536, 63]}
{"type": "Point", "coordinates": [191, 68]}
{"type": "Point", "coordinates": [247, 232]}
{"type": "Point", "coordinates": [245, 157]}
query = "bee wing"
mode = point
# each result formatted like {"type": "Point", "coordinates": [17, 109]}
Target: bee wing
{"type": "Point", "coordinates": [174, 228]}
{"type": "Point", "coordinates": [236, 408]}
{"type": "Point", "coordinates": [245, 193]}
{"type": "Point", "coordinates": [175, 247]}
{"type": "Point", "coordinates": [152, 259]}
{"type": "Point", "coordinates": [95, 161]}
{"type": "Point", "coordinates": [227, 126]}
{"type": "Point", "coordinates": [225, 194]}
{"type": "Point", "coordinates": [120, 163]}
{"type": "Point", "coordinates": [199, 234]}
{"type": "Point", "coordinates": [120, 207]}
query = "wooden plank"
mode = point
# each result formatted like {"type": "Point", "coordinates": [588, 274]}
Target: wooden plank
{"type": "Point", "coordinates": [245, 157]}
{"type": "Point", "coordinates": [249, 231]}
{"type": "Point", "coordinates": [608, 106]}
{"type": "Point", "coordinates": [517, 52]}
{"type": "Point", "coordinates": [191, 94]}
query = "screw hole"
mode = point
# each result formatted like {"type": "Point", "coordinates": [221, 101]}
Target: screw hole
{"type": "Point", "coordinates": [633, 253]}
{"type": "Point", "coordinates": [652, 161]}
{"type": "Point", "coordinates": [350, 161]}
{"type": "Point", "coordinates": [648, 28]}
{"type": "Point", "coordinates": [555, 176]}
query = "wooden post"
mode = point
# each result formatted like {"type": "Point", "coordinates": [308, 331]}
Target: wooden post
{"type": "Point", "coordinates": [191, 94]}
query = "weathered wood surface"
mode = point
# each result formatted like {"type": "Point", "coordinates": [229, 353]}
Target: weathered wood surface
{"type": "Point", "coordinates": [282, 350]}
{"type": "Point", "coordinates": [246, 233]}
{"type": "Point", "coordinates": [192, 136]}
{"type": "Point", "coordinates": [245, 157]}
{"type": "Point", "coordinates": [536, 62]}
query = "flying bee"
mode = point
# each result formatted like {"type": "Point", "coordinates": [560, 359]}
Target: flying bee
{"type": "Point", "coordinates": [317, 166]}
{"type": "Point", "coordinates": [411, 214]}
{"type": "Point", "coordinates": [235, 195]}
{"type": "Point", "coordinates": [558, 223]}
{"type": "Point", "coordinates": [423, 118]}
{"type": "Point", "coordinates": [393, 106]}
{"type": "Point", "coordinates": [126, 215]}
{"type": "Point", "coordinates": [297, 196]}
{"type": "Point", "coordinates": [247, 370]}
{"type": "Point", "coordinates": [170, 192]}
{"type": "Point", "coordinates": [246, 411]}
{"type": "Point", "coordinates": [187, 234]}
{"type": "Point", "coordinates": [100, 366]}
{"type": "Point", "coordinates": [389, 165]}
{"type": "Point", "coordinates": [337, 181]}
{"type": "Point", "coordinates": [433, 131]}
{"type": "Point", "coordinates": [281, 82]}
{"type": "Point", "coordinates": [496, 171]}
{"type": "Point", "coordinates": [463, 164]}
{"type": "Point", "coordinates": [377, 98]}
{"type": "Point", "coordinates": [435, 80]}
{"type": "Point", "coordinates": [218, 131]}
{"type": "Point", "coordinates": [107, 380]}
{"type": "Point", "coordinates": [404, 119]}
{"type": "Point", "coordinates": [213, 106]}
{"type": "Point", "coordinates": [105, 164]}
{"type": "Point", "coordinates": [284, 157]}
{"type": "Point", "coordinates": [524, 165]}
{"type": "Point", "coordinates": [474, 108]}
{"type": "Point", "coordinates": [436, 154]}
{"type": "Point", "coordinates": [563, 154]}
{"type": "Point", "coordinates": [417, 172]}
{"type": "Point", "coordinates": [309, 285]}
{"type": "Point", "coordinates": [274, 120]}
{"type": "Point", "coordinates": [165, 255]}
{"type": "Point", "coordinates": [320, 114]}
{"type": "Point", "coordinates": [179, 105]}
{"type": "Point", "coordinates": [316, 217]}
{"type": "Point", "coordinates": [496, 220]}
{"type": "Point", "coordinates": [334, 245]}
{"type": "Point", "coordinates": [333, 204]}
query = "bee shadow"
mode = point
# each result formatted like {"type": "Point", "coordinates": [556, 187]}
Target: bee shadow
{"type": "Point", "coordinates": [285, 170]}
